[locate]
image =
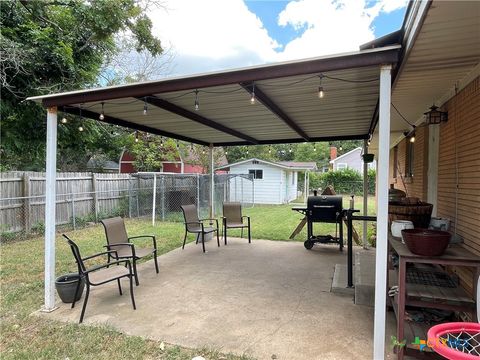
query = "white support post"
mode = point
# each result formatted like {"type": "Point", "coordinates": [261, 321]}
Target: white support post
{"type": "Point", "coordinates": [154, 198]}
{"type": "Point", "coordinates": [382, 214]}
{"type": "Point", "coordinates": [50, 209]}
{"type": "Point", "coordinates": [305, 194]}
{"type": "Point", "coordinates": [212, 182]}
{"type": "Point", "coordinates": [365, 195]}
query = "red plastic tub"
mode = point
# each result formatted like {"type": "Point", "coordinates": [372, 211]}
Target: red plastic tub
{"type": "Point", "coordinates": [426, 242]}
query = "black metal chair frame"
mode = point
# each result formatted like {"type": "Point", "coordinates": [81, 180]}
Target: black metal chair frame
{"type": "Point", "coordinates": [133, 257]}
{"type": "Point", "coordinates": [247, 225]}
{"type": "Point", "coordinates": [200, 232]}
{"type": "Point", "coordinates": [84, 273]}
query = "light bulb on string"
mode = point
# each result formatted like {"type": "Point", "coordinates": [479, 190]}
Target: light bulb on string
{"type": "Point", "coordinates": [161, 142]}
{"type": "Point", "coordinates": [252, 99]}
{"type": "Point", "coordinates": [197, 105]}
{"type": "Point", "coordinates": [412, 138]}
{"type": "Point", "coordinates": [64, 120]}
{"type": "Point", "coordinates": [321, 91]}
{"type": "Point", "coordinates": [247, 152]}
{"type": "Point", "coordinates": [145, 107]}
{"type": "Point", "coordinates": [191, 146]}
{"type": "Point", "coordinates": [102, 114]}
{"type": "Point", "coordinates": [290, 149]}
{"type": "Point", "coordinates": [177, 145]}
{"type": "Point", "coordinates": [136, 136]}
{"type": "Point", "coordinates": [314, 147]}
{"type": "Point", "coordinates": [80, 128]}
{"type": "Point", "coordinates": [270, 150]}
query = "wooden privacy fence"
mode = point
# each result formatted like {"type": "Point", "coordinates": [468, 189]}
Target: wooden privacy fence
{"type": "Point", "coordinates": [88, 197]}
{"type": "Point", "coordinates": [80, 197]}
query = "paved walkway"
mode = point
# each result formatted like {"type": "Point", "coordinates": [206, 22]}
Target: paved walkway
{"type": "Point", "coordinates": [259, 299]}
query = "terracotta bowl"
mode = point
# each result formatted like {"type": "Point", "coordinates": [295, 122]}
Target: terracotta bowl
{"type": "Point", "coordinates": [426, 242]}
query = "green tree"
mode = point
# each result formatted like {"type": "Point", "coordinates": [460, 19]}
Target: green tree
{"type": "Point", "coordinates": [52, 46]}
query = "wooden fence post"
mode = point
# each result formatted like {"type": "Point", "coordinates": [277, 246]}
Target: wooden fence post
{"type": "Point", "coordinates": [26, 204]}
{"type": "Point", "coordinates": [95, 197]}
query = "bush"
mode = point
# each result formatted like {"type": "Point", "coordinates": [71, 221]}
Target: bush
{"type": "Point", "coordinates": [345, 181]}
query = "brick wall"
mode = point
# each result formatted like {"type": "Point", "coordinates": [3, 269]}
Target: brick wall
{"type": "Point", "coordinates": [460, 162]}
{"type": "Point", "coordinates": [416, 185]}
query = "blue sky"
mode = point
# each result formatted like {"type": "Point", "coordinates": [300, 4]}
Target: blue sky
{"type": "Point", "coordinates": [211, 35]}
{"type": "Point", "coordinates": [268, 10]}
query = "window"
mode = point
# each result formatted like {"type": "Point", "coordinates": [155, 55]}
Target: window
{"type": "Point", "coordinates": [257, 174]}
{"type": "Point", "coordinates": [341, 166]}
{"type": "Point", "coordinates": [409, 159]}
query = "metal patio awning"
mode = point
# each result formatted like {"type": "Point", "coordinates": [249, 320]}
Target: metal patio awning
{"type": "Point", "coordinates": [287, 108]}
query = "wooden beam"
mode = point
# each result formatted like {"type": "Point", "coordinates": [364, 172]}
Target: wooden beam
{"type": "Point", "coordinates": [175, 109]}
{"type": "Point", "coordinates": [116, 121]}
{"type": "Point", "coordinates": [261, 97]}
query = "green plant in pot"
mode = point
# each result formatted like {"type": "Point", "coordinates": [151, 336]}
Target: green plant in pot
{"type": "Point", "coordinates": [66, 286]}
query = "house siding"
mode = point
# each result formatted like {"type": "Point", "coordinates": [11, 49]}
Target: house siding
{"type": "Point", "coordinates": [415, 186]}
{"type": "Point", "coordinates": [460, 149]}
{"type": "Point", "coordinates": [266, 189]}
{"type": "Point", "coordinates": [353, 161]}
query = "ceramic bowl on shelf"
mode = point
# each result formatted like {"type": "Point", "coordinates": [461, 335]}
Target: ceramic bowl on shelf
{"type": "Point", "coordinates": [399, 225]}
{"type": "Point", "coordinates": [426, 242]}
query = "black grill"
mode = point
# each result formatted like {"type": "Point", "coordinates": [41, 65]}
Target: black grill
{"type": "Point", "coordinates": [326, 209]}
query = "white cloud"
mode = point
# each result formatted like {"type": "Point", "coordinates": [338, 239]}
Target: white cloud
{"type": "Point", "coordinates": [217, 34]}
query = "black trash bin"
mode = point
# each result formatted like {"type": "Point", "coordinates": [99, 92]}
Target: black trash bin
{"type": "Point", "coordinates": [66, 286]}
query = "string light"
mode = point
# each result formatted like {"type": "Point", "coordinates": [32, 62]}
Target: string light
{"type": "Point", "coordinates": [197, 105]}
{"type": "Point", "coordinates": [203, 151]}
{"type": "Point", "coordinates": [314, 147]}
{"type": "Point", "coordinates": [247, 152]}
{"type": "Point", "coordinates": [176, 144]}
{"type": "Point", "coordinates": [412, 138]}
{"type": "Point", "coordinates": [102, 114]}
{"type": "Point", "coordinates": [290, 150]}
{"type": "Point", "coordinates": [252, 99]}
{"type": "Point", "coordinates": [161, 142]}
{"type": "Point", "coordinates": [64, 119]}
{"type": "Point", "coordinates": [80, 128]}
{"type": "Point", "coordinates": [136, 136]}
{"type": "Point", "coordinates": [145, 107]}
{"type": "Point", "coordinates": [270, 149]}
{"type": "Point", "coordinates": [321, 92]}
{"type": "Point", "coordinates": [191, 146]}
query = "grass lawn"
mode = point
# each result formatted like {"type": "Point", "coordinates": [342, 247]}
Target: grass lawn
{"type": "Point", "coordinates": [21, 285]}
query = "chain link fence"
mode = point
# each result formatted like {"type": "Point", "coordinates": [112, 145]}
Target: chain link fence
{"type": "Point", "coordinates": [87, 198]}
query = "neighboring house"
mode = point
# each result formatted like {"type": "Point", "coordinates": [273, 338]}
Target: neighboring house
{"type": "Point", "coordinates": [178, 166]}
{"type": "Point", "coordinates": [274, 182]}
{"type": "Point", "coordinates": [350, 160]}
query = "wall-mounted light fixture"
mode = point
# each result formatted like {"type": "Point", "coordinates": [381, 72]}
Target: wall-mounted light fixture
{"type": "Point", "coordinates": [435, 116]}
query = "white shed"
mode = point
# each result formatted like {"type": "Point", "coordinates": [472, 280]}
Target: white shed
{"type": "Point", "coordinates": [274, 182]}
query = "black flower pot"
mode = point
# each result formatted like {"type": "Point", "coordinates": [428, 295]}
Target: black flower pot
{"type": "Point", "coordinates": [368, 158]}
{"type": "Point", "coordinates": [66, 286]}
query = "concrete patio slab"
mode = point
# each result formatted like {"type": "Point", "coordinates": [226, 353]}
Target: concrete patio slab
{"type": "Point", "coordinates": [261, 299]}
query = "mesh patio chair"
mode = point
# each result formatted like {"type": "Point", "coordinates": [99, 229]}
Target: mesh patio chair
{"type": "Point", "coordinates": [118, 240]}
{"type": "Point", "coordinates": [100, 274]}
{"type": "Point", "coordinates": [233, 219]}
{"type": "Point", "coordinates": [196, 226]}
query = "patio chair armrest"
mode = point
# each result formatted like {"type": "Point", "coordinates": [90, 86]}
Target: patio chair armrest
{"type": "Point", "coordinates": [154, 240]}
{"type": "Point", "coordinates": [211, 219]}
{"type": "Point", "coordinates": [245, 216]}
{"type": "Point", "coordinates": [132, 246]}
{"type": "Point", "coordinates": [97, 267]}
{"type": "Point", "coordinates": [100, 254]}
